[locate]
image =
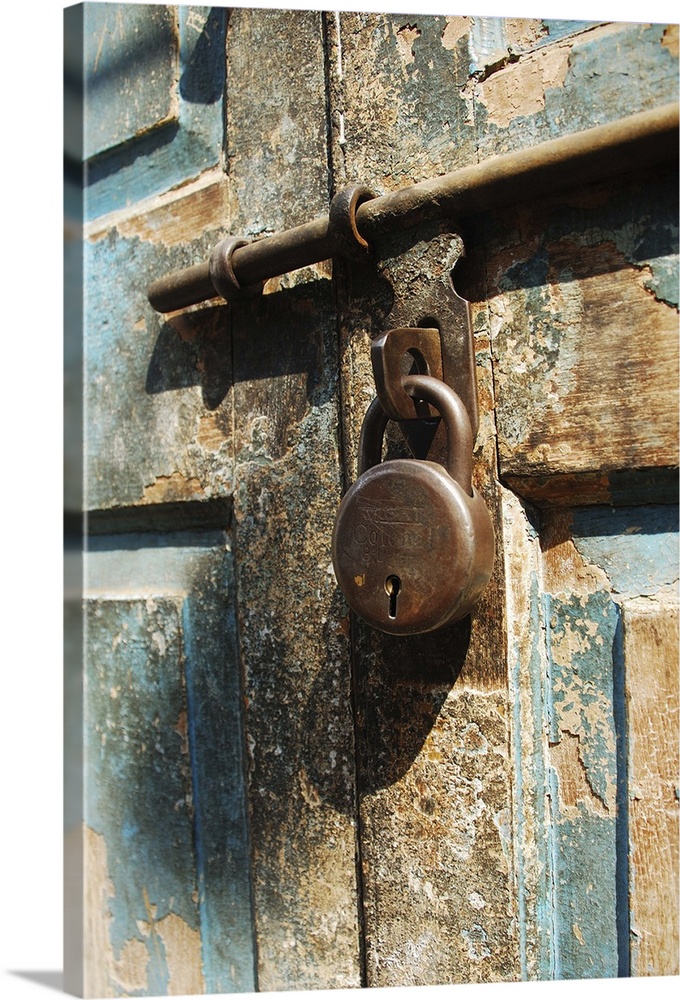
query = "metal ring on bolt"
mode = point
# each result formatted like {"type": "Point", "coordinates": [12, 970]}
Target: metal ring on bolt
{"type": "Point", "coordinates": [222, 270]}
{"type": "Point", "coordinates": [342, 223]}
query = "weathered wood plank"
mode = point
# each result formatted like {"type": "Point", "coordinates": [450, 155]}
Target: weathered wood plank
{"type": "Point", "coordinates": [157, 403]}
{"type": "Point", "coordinates": [596, 562]}
{"type": "Point", "coordinates": [140, 873]}
{"type": "Point", "coordinates": [574, 290]}
{"type": "Point", "coordinates": [399, 110]}
{"type": "Point", "coordinates": [576, 303]}
{"type": "Point", "coordinates": [651, 658]}
{"type": "Point", "coordinates": [528, 698]}
{"type": "Point", "coordinates": [156, 111]}
{"type": "Point", "coordinates": [293, 633]}
{"type": "Point", "coordinates": [433, 729]}
{"type": "Point", "coordinates": [560, 87]}
{"type": "Point", "coordinates": [167, 857]}
{"type": "Point", "coordinates": [584, 783]}
{"type": "Point", "coordinates": [131, 71]}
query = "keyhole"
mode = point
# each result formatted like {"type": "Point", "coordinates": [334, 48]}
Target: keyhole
{"type": "Point", "coordinates": [392, 587]}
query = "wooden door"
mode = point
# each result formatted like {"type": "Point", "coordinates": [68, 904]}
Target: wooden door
{"type": "Point", "coordinates": [276, 796]}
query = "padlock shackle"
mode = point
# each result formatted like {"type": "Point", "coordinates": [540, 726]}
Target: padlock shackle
{"type": "Point", "coordinates": [456, 420]}
{"type": "Point", "coordinates": [454, 415]}
{"type": "Point", "coordinates": [371, 438]}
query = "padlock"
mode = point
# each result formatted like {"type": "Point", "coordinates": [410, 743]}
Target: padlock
{"type": "Point", "coordinates": [413, 542]}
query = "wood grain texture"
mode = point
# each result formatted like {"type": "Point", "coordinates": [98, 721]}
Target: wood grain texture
{"type": "Point", "coordinates": [577, 303]}
{"type": "Point", "coordinates": [293, 628]}
{"type": "Point", "coordinates": [651, 656]}
{"type": "Point", "coordinates": [574, 291]}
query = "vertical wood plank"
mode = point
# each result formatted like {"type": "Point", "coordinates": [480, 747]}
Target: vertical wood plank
{"type": "Point", "coordinates": [651, 653]}
{"type": "Point", "coordinates": [432, 715]}
{"type": "Point", "coordinates": [582, 780]}
{"type": "Point", "coordinates": [293, 632]}
{"type": "Point", "coordinates": [528, 696]}
{"type": "Point", "coordinates": [584, 784]}
{"type": "Point", "coordinates": [140, 877]}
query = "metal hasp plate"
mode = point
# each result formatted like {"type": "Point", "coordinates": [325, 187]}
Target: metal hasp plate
{"type": "Point", "coordinates": [424, 297]}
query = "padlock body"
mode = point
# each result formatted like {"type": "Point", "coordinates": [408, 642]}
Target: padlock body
{"type": "Point", "coordinates": [408, 521]}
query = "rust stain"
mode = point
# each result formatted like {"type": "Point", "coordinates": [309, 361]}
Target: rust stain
{"type": "Point", "coordinates": [519, 89]}
{"type": "Point", "coordinates": [343, 628]}
{"type": "Point", "coordinates": [670, 39]}
{"type": "Point", "coordinates": [181, 729]}
{"type": "Point", "coordinates": [456, 27]}
{"type": "Point", "coordinates": [166, 489]}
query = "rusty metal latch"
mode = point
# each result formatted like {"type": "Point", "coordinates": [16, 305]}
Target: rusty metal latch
{"type": "Point", "coordinates": [356, 217]}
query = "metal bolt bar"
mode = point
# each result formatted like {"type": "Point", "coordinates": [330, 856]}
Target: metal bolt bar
{"type": "Point", "coordinates": [638, 141]}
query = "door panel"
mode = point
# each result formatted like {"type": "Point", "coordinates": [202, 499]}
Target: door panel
{"type": "Point", "coordinates": [153, 88]}
{"type": "Point", "coordinates": [165, 809]}
{"type": "Point", "coordinates": [277, 796]}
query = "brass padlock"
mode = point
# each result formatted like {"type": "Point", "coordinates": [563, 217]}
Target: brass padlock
{"type": "Point", "coordinates": [413, 542]}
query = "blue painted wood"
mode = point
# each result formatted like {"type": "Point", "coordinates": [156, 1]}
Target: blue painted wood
{"type": "Point", "coordinates": [191, 139]}
{"type": "Point", "coordinates": [164, 748]}
{"type": "Point", "coordinates": [637, 547]}
{"type": "Point", "coordinates": [130, 72]}
{"type": "Point", "coordinates": [138, 786]}
{"type": "Point", "coordinates": [216, 742]}
{"type": "Point", "coordinates": [608, 75]}
{"type": "Point", "coordinates": [562, 29]}
{"type": "Point", "coordinates": [584, 784]}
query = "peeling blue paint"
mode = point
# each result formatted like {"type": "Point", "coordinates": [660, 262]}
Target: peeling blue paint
{"type": "Point", "coordinates": [581, 648]}
{"type": "Point", "coordinates": [540, 921]}
{"type": "Point", "coordinates": [137, 787]}
{"type": "Point", "coordinates": [637, 547]}
{"type": "Point", "coordinates": [608, 75]}
{"type": "Point", "coordinates": [164, 748]}
{"type": "Point", "coordinates": [628, 69]}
